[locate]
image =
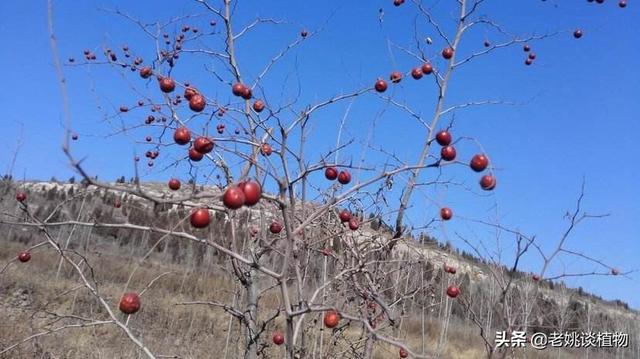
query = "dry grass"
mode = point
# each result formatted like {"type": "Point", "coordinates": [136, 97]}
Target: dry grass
{"type": "Point", "coordinates": [31, 292]}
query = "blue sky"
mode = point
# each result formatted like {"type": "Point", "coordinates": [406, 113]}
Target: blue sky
{"type": "Point", "coordinates": [573, 118]}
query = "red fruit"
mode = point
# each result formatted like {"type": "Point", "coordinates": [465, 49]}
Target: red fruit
{"type": "Point", "coordinates": [344, 177]}
{"type": "Point", "coordinates": [246, 93]}
{"type": "Point", "coordinates": [275, 228]}
{"type": "Point", "coordinates": [416, 73]}
{"type": "Point", "coordinates": [203, 145]}
{"type": "Point", "coordinates": [427, 69]}
{"type": "Point", "coordinates": [220, 128]}
{"type": "Point", "coordinates": [195, 155]}
{"type": "Point", "coordinates": [189, 92]}
{"type": "Point", "coordinates": [450, 269]}
{"type": "Point", "coordinates": [443, 138]}
{"type": "Point", "coordinates": [577, 34]}
{"type": "Point", "coordinates": [238, 89]}
{"type": "Point", "coordinates": [124, 109]}
{"type": "Point", "coordinates": [528, 62]}
{"type": "Point", "coordinates": [331, 173]}
{"type": "Point", "coordinates": [200, 218]}
{"type": "Point", "coordinates": [148, 139]}
{"type": "Point", "coordinates": [395, 77]}
{"type": "Point", "coordinates": [146, 72]}
{"type": "Point", "coordinates": [479, 162]}
{"type": "Point", "coordinates": [24, 256]}
{"type": "Point", "coordinates": [258, 106]}
{"type": "Point", "coordinates": [304, 33]}
{"type": "Point", "coordinates": [535, 278]}
{"type": "Point", "coordinates": [446, 213]}
{"type": "Point", "coordinates": [615, 271]}
{"type": "Point", "coordinates": [326, 252]}
{"type": "Point", "coordinates": [74, 136]}
{"type": "Point", "coordinates": [381, 85]}
{"type": "Point", "coordinates": [344, 215]}
{"type": "Point", "coordinates": [532, 55]}
{"type": "Point", "coordinates": [487, 44]}
{"type": "Point", "coordinates": [278, 338]}
{"type": "Point", "coordinates": [622, 3]}
{"type": "Point", "coordinates": [117, 203]}
{"type": "Point", "coordinates": [331, 319]}
{"type": "Point", "coordinates": [526, 48]}
{"type": "Point", "coordinates": [233, 197]}
{"type": "Point", "coordinates": [130, 303]}
{"type": "Point", "coordinates": [453, 291]}
{"type": "Point", "coordinates": [252, 192]}
{"type": "Point", "coordinates": [448, 153]}
{"type": "Point", "coordinates": [21, 196]}
{"type": "Point", "coordinates": [488, 182]}
{"type": "Point", "coordinates": [353, 224]}
{"type": "Point", "coordinates": [174, 184]}
{"type": "Point", "coordinates": [398, 2]}
{"type": "Point", "coordinates": [447, 53]}
{"type": "Point", "coordinates": [167, 85]}
{"type": "Point", "coordinates": [197, 103]}
{"type": "Point", "coordinates": [403, 353]}
{"type": "Point", "coordinates": [265, 149]}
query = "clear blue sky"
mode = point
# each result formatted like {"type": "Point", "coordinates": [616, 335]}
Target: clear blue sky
{"type": "Point", "coordinates": [575, 116]}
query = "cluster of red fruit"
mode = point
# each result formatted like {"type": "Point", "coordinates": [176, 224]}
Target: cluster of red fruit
{"type": "Point", "coordinates": [197, 101]}
{"type": "Point", "coordinates": [244, 91]}
{"type": "Point", "coordinates": [416, 73]}
{"type": "Point", "coordinates": [531, 55]}
{"type": "Point", "coordinates": [449, 269]}
{"type": "Point", "coordinates": [331, 320]}
{"type": "Point", "coordinates": [88, 55]}
{"type": "Point", "coordinates": [478, 163]}
{"type": "Point", "coordinates": [331, 173]}
{"type": "Point", "coordinates": [246, 193]}
{"type": "Point", "coordinates": [346, 217]}
{"type": "Point", "coordinates": [201, 146]}
{"type": "Point", "coordinates": [621, 3]}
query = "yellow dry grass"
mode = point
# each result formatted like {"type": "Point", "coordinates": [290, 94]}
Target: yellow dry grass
{"type": "Point", "coordinates": [30, 294]}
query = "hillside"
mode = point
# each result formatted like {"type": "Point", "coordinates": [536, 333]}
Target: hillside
{"type": "Point", "coordinates": [195, 270]}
